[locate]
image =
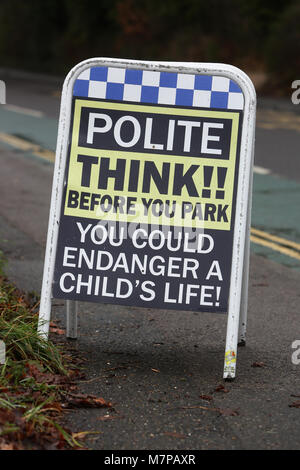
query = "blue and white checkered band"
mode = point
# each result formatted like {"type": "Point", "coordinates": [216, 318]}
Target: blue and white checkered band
{"type": "Point", "coordinates": [166, 88]}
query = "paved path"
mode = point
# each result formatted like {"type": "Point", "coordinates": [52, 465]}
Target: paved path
{"type": "Point", "coordinates": [156, 365]}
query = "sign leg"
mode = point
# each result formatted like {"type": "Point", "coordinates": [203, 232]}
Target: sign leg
{"type": "Point", "coordinates": [44, 314]}
{"type": "Point", "coordinates": [72, 310]}
{"type": "Point", "coordinates": [231, 345]}
{"type": "Point", "coordinates": [244, 297]}
{"type": "Point", "coordinates": [237, 311]}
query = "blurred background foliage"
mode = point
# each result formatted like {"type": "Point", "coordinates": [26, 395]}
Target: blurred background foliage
{"type": "Point", "coordinates": [51, 36]}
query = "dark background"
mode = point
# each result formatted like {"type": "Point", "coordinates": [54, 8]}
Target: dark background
{"type": "Point", "coordinates": [51, 36]}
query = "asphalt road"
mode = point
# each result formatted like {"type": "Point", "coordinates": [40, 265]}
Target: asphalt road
{"type": "Point", "coordinates": [156, 366]}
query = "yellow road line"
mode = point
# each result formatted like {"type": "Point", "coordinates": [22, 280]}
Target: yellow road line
{"type": "Point", "coordinates": [23, 144]}
{"type": "Point", "coordinates": [275, 238]}
{"type": "Point", "coordinates": [276, 247]}
{"type": "Point", "coordinates": [270, 119]}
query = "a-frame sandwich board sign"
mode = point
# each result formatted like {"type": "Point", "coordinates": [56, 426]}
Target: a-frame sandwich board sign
{"type": "Point", "coordinates": [151, 197]}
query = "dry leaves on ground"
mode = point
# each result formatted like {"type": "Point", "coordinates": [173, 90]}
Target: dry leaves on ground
{"type": "Point", "coordinates": [72, 400]}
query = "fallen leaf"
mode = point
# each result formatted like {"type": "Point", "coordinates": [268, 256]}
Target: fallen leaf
{"type": "Point", "coordinates": [85, 401]}
{"type": "Point", "coordinates": [6, 416]}
{"type": "Point", "coordinates": [46, 377]}
{"type": "Point", "coordinates": [228, 412]}
{"type": "Point", "coordinates": [6, 446]}
{"type": "Point", "coordinates": [57, 331]}
{"type": "Point", "coordinates": [195, 407]}
{"type": "Point", "coordinates": [108, 417]}
{"type": "Point", "coordinates": [295, 404]}
{"type": "Point", "coordinates": [82, 434]}
{"type": "Point", "coordinates": [53, 407]}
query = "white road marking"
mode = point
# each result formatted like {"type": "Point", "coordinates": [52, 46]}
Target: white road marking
{"type": "Point", "coordinates": [23, 144]}
{"type": "Point", "coordinates": [261, 171]}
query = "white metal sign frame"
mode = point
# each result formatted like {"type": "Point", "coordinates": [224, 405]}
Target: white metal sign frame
{"type": "Point", "coordinates": [237, 307]}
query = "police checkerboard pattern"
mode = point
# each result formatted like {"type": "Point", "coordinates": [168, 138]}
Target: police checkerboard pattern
{"type": "Point", "coordinates": [165, 88]}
